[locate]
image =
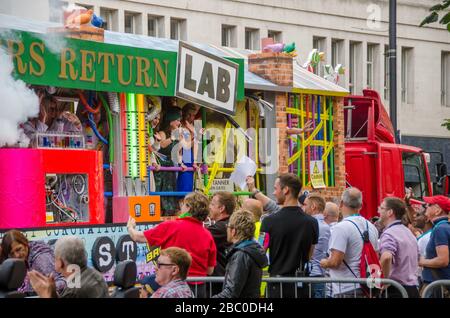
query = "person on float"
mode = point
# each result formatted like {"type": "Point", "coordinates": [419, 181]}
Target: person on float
{"type": "Point", "coordinates": [51, 118]}
{"type": "Point", "coordinates": [153, 119]}
{"type": "Point", "coordinates": [166, 181]}
{"type": "Point", "coordinates": [185, 179]}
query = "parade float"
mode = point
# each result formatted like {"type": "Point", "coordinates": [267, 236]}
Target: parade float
{"type": "Point", "coordinates": [58, 187]}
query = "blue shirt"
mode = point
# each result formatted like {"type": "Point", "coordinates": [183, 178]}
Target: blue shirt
{"type": "Point", "coordinates": [439, 236]}
{"type": "Point", "coordinates": [321, 248]}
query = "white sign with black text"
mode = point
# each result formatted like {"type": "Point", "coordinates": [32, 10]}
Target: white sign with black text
{"type": "Point", "coordinates": [206, 79]}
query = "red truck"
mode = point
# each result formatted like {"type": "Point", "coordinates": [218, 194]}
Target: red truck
{"type": "Point", "coordinates": [379, 166]}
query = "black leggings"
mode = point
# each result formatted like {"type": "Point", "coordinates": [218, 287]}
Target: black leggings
{"type": "Point", "coordinates": [413, 292]}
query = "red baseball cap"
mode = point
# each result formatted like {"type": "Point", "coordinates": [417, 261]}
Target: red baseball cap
{"type": "Point", "coordinates": [442, 201]}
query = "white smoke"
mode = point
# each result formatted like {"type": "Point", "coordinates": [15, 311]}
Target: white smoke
{"type": "Point", "coordinates": [54, 41]}
{"type": "Point", "coordinates": [18, 103]}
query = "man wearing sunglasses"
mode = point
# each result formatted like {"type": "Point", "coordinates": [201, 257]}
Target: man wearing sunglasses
{"type": "Point", "coordinates": [171, 272]}
{"type": "Point", "coordinates": [436, 263]}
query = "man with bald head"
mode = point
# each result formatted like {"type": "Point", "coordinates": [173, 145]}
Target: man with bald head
{"type": "Point", "coordinates": [256, 208]}
{"type": "Point", "coordinates": [253, 206]}
{"type": "Point", "coordinates": [331, 213]}
{"type": "Point", "coordinates": [346, 244]}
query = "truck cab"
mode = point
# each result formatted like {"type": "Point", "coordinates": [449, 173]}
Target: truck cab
{"type": "Point", "coordinates": [374, 162]}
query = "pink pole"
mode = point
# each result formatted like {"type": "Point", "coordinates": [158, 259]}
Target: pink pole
{"type": "Point", "coordinates": [172, 169]}
{"type": "Point", "coordinates": [314, 125]}
{"type": "Point", "coordinates": [291, 144]}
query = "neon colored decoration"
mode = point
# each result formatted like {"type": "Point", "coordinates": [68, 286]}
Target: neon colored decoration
{"type": "Point", "coordinates": [315, 145]}
{"type": "Point", "coordinates": [132, 137]}
{"type": "Point", "coordinates": [143, 155]}
{"type": "Point", "coordinates": [123, 124]}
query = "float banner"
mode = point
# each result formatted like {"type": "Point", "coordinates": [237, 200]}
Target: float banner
{"type": "Point", "coordinates": [106, 246]}
{"type": "Point", "coordinates": [48, 59]}
{"type": "Point", "coordinates": [206, 79]}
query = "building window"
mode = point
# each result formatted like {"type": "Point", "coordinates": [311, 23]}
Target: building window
{"type": "Point", "coordinates": [407, 75]}
{"type": "Point", "coordinates": [386, 72]}
{"type": "Point", "coordinates": [251, 39]}
{"type": "Point", "coordinates": [354, 83]}
{"type": "Point", "coordinates": [110, 19]}
{"type": "Point", "coordinates": [178, 29]}
{"type": "Point", "coordinates": [56, 10]}
{"type": "Point", "coordinates": [445, 79]}
{"type": "Point", "coordinates": [155, 26]}
{"type": "Point", "coordinates": [275, 35]}
{"type": "Point", "coordinates": [132, 23]}
{"type": "Point", "coordinates": [320, 44]}
{"type": "Point", "coordinates": [337, 54]}
{"type": "Point", "coordinates": [228, 35]}
{"type": "Point", "coordinates": [372, 66]}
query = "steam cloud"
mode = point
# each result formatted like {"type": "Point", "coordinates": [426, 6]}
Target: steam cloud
{"type": "Point", "coordinates": [18, 103]}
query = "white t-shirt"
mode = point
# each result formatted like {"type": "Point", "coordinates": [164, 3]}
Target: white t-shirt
{"type": "Point", "coordinates": [423, 242]}
{"type": "Point", "coordinates": [346, 238]}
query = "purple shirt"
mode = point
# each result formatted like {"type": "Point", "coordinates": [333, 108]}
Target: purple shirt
{"type": "Point", "coordinates": [398, 240]}
{"type": "Point", "coordinates": [42, 259]}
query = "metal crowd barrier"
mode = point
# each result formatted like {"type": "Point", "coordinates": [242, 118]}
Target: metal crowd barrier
{"type": "Point", "coordinates": [309, 281]}
{"type": "Point", "coordinates": [430, 290]}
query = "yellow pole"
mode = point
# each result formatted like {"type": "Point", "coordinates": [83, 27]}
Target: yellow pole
{"type": "Point", "coordinates": [219, 154]}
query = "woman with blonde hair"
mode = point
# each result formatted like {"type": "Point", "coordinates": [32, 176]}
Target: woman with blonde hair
{"type": "Point", "coordinates": [245, 259]}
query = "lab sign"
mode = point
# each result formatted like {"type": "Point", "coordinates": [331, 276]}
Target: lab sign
{"type": "Point", "coordinates": [206, 79]}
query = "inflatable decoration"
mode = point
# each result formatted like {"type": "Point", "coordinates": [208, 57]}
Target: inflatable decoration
{"type": "Point", "coordinates": [75, 16]}
{"type": "Point", "coordinates": [331, 74]}
{"type": "Point", "coordinates": [276, 47]}
{"type": "Point", "coordinates": [314, 58]}
{"type": "Point", "coordinates": [281, 47]}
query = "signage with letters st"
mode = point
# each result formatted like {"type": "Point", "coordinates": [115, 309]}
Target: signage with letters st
{"type": "Point", "coordinates": [206, 79]}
